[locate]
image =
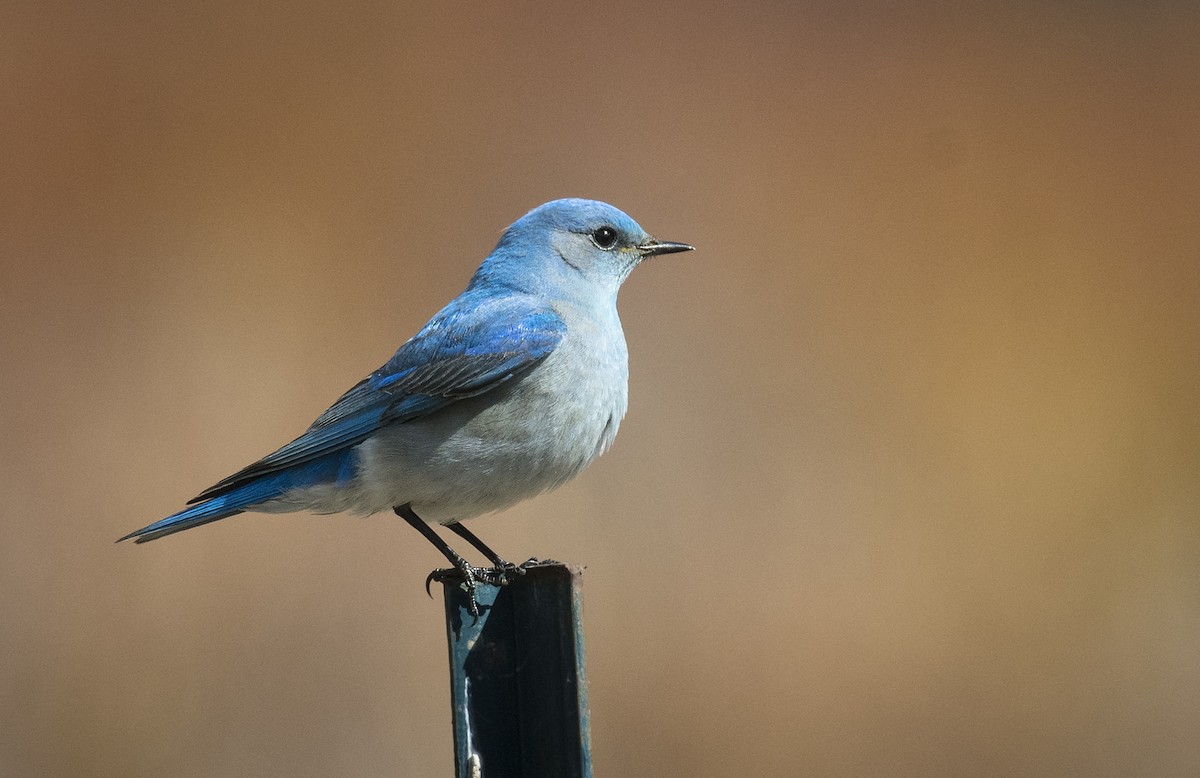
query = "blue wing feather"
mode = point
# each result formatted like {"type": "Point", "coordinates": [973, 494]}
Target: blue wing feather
{"type": "Point", "coordinates": [469, 348]}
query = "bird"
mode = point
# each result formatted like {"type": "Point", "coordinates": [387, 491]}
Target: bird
{"type": "Point", "coordinates": [511, 390]}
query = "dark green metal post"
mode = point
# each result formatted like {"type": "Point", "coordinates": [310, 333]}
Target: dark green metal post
{"type": "Point", "coordinates": [517, 678]}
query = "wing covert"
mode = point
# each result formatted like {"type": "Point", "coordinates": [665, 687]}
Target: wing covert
{"type": "Point", "coordinates": [464, 351]}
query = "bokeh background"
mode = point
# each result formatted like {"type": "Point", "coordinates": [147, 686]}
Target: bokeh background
{"type": "Point", "coordinates": [910, 480]}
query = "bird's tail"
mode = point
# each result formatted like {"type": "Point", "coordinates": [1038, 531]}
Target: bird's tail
{"type": "Point", "coordinates": [337, 468]}
{"type": "Point", "coordinates": [217, 508]}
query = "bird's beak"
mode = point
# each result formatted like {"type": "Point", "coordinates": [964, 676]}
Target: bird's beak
{"type": "Point", "coordinates": [653, 247]}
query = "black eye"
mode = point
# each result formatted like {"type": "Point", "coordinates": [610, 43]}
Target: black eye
{"type": "Point", "coordinates": [605, 237]}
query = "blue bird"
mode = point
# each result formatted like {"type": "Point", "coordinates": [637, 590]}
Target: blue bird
{"type": "Point", "coordinates": [509, 391]}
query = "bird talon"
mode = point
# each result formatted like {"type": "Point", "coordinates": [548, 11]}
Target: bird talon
{"type": "Point", "coordinates": [469, 577]}
{"type": "Point", "coordinates": [429, 581]}
{"type": "Point", "coordinates": [494, 576]}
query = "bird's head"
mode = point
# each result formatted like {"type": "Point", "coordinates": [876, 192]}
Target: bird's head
{"type": "Point", "coordinates": [565, 241]}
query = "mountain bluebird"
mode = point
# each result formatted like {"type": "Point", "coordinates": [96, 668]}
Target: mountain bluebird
{"type": "Point", "coordinates": [510, 390]}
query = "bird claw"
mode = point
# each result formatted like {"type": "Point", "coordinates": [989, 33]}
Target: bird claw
{"type": "Point", "coordinates": [503, 572]}
{"type": "Point", "coordinates": [471, 576]}
{"type": "Point", "coordinates": [429, 580]}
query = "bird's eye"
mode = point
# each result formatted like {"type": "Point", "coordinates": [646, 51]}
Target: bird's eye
{"type": "Point", "coordinates": [605, 237]}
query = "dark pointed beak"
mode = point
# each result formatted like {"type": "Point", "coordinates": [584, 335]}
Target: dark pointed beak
{"type": "Point", "coordinates": [652, 247]}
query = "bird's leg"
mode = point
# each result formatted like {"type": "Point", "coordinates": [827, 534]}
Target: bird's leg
{"type": "Point", "coordinates": [471, 574]}
{"type": "Point", "coordinates": [502, 565]}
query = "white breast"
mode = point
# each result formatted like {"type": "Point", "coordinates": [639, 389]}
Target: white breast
{"type": "Point", "coordinates": [523, 438]}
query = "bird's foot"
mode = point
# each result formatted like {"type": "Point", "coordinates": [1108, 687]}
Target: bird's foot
{"type": "Point", "coordinates": [471, 576]}
{"type": "Point", "coordinates": [505, 570]}
{"type": "Point", "coordinates": [502, 573]}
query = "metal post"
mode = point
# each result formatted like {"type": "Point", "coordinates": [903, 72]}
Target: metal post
{"type": "Point", "coordinates": [517, 679]}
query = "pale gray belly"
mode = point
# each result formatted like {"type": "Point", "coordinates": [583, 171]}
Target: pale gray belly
{"type": "Point", "coordinates": [489, 452]}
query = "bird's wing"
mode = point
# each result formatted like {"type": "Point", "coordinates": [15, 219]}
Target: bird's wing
{"type": "Point", "coordinates": [462, 352]}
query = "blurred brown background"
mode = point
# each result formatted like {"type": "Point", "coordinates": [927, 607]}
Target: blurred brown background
{"type": "Point", "coordinates": [910, 480]}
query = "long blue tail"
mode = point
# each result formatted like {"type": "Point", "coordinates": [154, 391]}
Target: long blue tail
{"type": "Point", "coordinates": [210, 510]}
{"type": "Point", "coordinates": [338, 467]}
